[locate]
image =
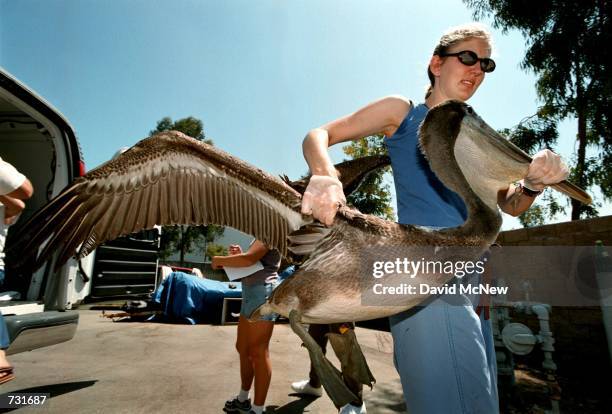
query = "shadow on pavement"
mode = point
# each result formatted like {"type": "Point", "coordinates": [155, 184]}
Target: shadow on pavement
{"type": "Point", "coordinates": [294, 407]}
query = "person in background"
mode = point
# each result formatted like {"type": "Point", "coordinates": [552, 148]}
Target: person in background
{"type": "Point", "coordinates": [253, 337]}
{"type": "Point", "coordinates": [14, 188]}
{"type": "Point", "coordinates": [444, 353]}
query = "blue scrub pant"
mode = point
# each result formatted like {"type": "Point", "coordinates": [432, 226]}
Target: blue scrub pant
{"type": "Point", "coordinates": [445, 356]}
{"type": "Point", "coordinates": [4, 338]}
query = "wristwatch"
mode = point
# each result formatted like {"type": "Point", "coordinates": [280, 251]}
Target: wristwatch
{"type": "Point", "coordinates": [527, 191]}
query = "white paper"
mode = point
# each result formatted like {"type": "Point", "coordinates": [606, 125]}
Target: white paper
{"type": "Point", "coordinates": [235, 273]}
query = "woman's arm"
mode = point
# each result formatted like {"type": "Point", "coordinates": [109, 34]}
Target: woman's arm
{"type": "Point", "coordinates": [382, 116]}
{"type": "Point", "coordinates": [12, 207]}
{"type": "Point", "coordinates": [324, 192]}
{"type": "Point", "coordinates": [252, 256]}
{"type": "Point", "coordinates": [12, 200]}
{"type": "Point", "coordinates": [514, 202]}
{"type": "Point", "coordinates": [545, 169]}
{"type": "Point", "coordinates": [23, 192]}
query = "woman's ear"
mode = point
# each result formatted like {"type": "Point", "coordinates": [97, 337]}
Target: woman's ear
{"type": "Point", "coordinates": [434, 65]}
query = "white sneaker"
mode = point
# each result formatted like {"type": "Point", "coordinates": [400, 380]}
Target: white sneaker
{"type": "Point", "coordinates": [304, 387]}
{"type": "Point", "coordinates": [351, 409]}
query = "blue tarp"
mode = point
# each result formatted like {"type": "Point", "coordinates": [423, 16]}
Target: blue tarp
{"type": "Point", "coordinates": [189, 299]}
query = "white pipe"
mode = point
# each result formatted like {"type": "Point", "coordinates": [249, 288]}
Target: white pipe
{"type": "Point", "coordinates": [545, 336]}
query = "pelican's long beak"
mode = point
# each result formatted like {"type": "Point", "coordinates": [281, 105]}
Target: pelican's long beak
{"type": "Point", "coordinates": [489, 161]}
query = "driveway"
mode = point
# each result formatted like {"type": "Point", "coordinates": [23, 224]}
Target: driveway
{"type": "Point", "coordinates": [133, 367]}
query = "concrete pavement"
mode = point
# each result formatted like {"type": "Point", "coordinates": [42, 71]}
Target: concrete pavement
{"type": "Point", "coordinates": [132, 367]}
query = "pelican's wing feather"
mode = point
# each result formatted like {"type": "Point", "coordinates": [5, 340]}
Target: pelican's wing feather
{"type": "Point", "coordinates": [166, 179]}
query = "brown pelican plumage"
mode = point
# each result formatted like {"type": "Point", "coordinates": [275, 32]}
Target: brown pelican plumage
{"type": "Point", "coordinates": [172, 179]}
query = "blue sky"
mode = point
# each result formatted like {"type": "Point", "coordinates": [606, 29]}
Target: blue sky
{"type": "Point", "coordinates": [259, 74]}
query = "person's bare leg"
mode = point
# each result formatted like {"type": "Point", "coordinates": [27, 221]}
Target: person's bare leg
{"type": "Point", "coordinates": [242, 346]}
{"type": "Point", "coordinates": [4, 363]}
{"type": "Point", "coordinates": [259, 338]}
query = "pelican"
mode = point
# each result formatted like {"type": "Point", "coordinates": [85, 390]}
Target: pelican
{"type": "Point", "coordinates": [173, 179]}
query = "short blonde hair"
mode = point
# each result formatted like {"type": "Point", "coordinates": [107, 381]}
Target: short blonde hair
{"type": "Point", "coordinates": [454, 35]}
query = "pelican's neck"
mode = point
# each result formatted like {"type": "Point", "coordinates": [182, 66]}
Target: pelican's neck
{"type": "Point", "coordinates": [439, 140]}
{"type": "Point", "coordinates": [483, 217]}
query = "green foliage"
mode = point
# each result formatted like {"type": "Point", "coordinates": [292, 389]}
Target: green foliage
{"type": "Point", "coordinates": [568, 49]}
{"type": "Point", "coordinates": [184, 239]}
{"type": "Point", "coordinates": [374, 195]}
{"type": "Point", "coordinates": [215, 250]}
{"type": "Point", "coordinates": [604, 174]}
{"type": "Point", "coordinates": [545, 207]}
{"type": "Point", "coordinates": [533, 217]}
{"type": "Point", "coordinates": [189, 126]}
{"type": "Point", "coordinates": [533, 133]}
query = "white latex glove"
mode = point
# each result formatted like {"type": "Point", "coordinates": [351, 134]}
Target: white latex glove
{"type": "Point", "coordinates": [234, 249]}
{"type": "Point", "coordinates": [322, 198]}
{"type": "Point", "coordinates": [545, 169]}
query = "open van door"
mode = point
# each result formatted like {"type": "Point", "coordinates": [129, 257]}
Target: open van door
{"type": "Point", "coordinates": [40, 143]}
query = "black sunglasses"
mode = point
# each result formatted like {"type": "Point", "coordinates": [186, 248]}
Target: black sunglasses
{"type": "Point", "coordinates": [469, 58]}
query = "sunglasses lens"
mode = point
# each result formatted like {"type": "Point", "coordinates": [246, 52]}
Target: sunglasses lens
{"type": "Point", "coordinates": [468, 58]}
{"type": "Point", "coordinates": [487, 65]}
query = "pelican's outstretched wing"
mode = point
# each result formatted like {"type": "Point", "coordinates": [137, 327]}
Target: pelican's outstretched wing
{"type": "Point", "coordinates": [166, 179]}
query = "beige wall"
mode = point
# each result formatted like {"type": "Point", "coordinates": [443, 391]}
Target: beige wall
{"type": "Point", "coordinates": [573, 233]}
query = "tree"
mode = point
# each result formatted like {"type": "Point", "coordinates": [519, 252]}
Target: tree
{"type": "Point", "coordinates": [214, 249]}
{"type": "Point", "coordinates": [189, 126]}
{"type": "Point", "coordinates": [374, 195]}
{"type": "Point", "coordinates": [568, 49]}
{"type": "Point", "coordinates": [184, 238]}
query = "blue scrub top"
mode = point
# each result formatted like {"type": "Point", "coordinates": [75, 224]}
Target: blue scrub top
{"type": "Point", "coordinates": [422, 199]}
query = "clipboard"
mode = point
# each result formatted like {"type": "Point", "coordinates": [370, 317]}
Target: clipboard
{"type": "Point", "coordinates": [235, 273]}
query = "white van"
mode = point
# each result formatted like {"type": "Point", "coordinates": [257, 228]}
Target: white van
{"type": "Point", "coordinates": [40, 143]}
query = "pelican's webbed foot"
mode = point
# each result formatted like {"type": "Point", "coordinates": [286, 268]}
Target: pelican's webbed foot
{"type": "Point", "coordinates": [331, 378]}
{"type": "Point", "coordinates": [352, 361]}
